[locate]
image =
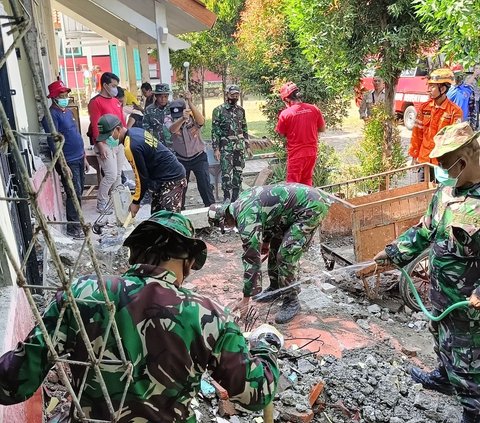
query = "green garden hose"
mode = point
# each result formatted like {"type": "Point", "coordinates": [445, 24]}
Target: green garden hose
{"type": "Point", "coordinates": [429, 315]}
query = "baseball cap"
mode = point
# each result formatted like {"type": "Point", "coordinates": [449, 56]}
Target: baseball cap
{"type": "Point", "coordinates": [56, 88]}
{"type": "Point", "coordinates": [232, 89]}
{"type": "Point", "coordinates": [106, 124]}
{"type": "Point", "coordinates": [452, 137]}
{"type": "Point", "coordinates": [177, 107]}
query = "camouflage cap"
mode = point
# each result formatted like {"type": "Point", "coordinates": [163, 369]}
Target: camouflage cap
{"type": "Point", "coordinates": [232, 89]}
{"type": "Point", "coordinates": [161, 89]}
{"type": "Point", "coordinates": [451, 138]}
{"type": "Point", "coordinates": [174, 222]}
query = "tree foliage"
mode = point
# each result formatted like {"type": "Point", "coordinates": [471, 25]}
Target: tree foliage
{"type": "Point", "coordinates": [456, 23]}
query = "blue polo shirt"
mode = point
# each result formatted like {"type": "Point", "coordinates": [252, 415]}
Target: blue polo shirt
{"type": "Point", "coordinates": [65, 123]}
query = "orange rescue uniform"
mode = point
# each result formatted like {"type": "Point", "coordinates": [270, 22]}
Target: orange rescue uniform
{"type": "Point", "coordinates": [430, 119]}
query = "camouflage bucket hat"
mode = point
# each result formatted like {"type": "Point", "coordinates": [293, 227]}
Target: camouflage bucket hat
{"type": "Point", "coordinates": [161, 89]}
{"type": "Point", "coordinates": [452, 137]}
{"type": "Point", "coordinates": [146, 233]}
{"type": "Point", "coordinates": [216, 214]}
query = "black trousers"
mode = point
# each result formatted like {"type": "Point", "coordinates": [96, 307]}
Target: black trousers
{"type": "Point", "coordinates": [199, 166]}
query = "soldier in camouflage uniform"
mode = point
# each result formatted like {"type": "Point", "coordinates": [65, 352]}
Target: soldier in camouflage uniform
{"type": "Point", "coordinates": [170, 335]}
{"type": "Point", "coordinates": [279, 219]}
{"type": "Point", "coordinates": [230, 142]}
{"type": "Point", "coordinates": [154, 116]}
{"type": "Point", "coordinates": [451, 228]}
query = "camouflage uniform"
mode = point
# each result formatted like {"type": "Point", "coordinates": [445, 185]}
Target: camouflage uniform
{"type": "Point", "coordinates": [451, 226]}
{"type": "Point", "coordinates": [230, 136]}
{"type": "Point", "coordinates": [153, 122]}
{"type": "Point", "coordinates": [286, 215]}
{"type": "Point", "coordinates": [171, 336]}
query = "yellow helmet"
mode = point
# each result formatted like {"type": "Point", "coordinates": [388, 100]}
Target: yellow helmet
{"type": "Point", "coordinates": [441, 76]}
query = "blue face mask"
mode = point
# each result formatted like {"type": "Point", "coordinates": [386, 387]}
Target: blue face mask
{"type": "Point", "coordinates": [62, 102]}
{"type": "Point", "coordinates": [441, 175]}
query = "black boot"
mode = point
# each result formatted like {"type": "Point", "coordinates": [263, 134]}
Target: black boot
{"type": "Point", "coordinates": [471, 416]}
{"type": "Point", "coordinates": [272, 295]}
{"type": "Point", "coordinates": [288, 310]}
{"type": "Point", "coordinates": [436, 380]}
{"type": "Point", "coordinates": [235, 192]}
{"type": "Point", "coordinates": [226, 195]}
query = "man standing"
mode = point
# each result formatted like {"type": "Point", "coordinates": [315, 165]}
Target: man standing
{"type": "Point", "coordinates": [110, 155]}
{"type": "Point", "coordinates": [451, 231]}
{"type": "Point", "coordinates": [372, 98]}
{"type": "Point", "coordinates": [189, 146]}
{"type": "Point", "coordinates": [300, 123]}
{"type": "Point", "coordinates": [230, 142]}
{"type": "Point", "coordinates": [147, 92]}
{"type": "Point", "coordinates": [73, 150]}
{"type": "Point", "coordinates": [169, 335]}
{"type": "Point", "coordinates": [463, 96]}
{"type": "Point", "coordinates": [433, 115]}
{"type": "Point", "coordinates": [154, 117]}
{"type": "Point", "coordinates": [279, 219]}
{"type": "Point", "coordinates": [155, 167]}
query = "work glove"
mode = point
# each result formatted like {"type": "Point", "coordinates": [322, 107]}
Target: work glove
{"type": "Point", "coordinates": [266, 334]}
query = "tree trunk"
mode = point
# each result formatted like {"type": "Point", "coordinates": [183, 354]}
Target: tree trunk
{"type": "Point", "coordinates": [389, 124]}
{"type": "Point", "coordinates": [202, 89]}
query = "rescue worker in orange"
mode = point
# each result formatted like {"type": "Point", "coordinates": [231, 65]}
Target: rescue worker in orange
{"type": "Point", "coordinates": [433, 115]}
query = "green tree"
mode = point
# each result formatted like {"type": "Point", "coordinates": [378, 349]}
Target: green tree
{"type": "Point", "coordinates": [456, 24]}
{"type": "Point", "coordinates": [343, 37]}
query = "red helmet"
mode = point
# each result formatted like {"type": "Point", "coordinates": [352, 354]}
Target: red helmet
{"type": "Point", "coordinates": [287, 90]}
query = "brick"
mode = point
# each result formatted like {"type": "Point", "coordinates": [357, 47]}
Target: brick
{"type": "Point", "coordinates": [315, 392]}
{"type": "Point", "coordinates": [226, 408]}
{"type": "Point", "coordinates": [293, 416]}
{"type": "Point", "coordinates": [221, 391]}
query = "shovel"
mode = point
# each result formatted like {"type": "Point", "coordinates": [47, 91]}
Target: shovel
{"type": "Point", "coordinates": [265, 296]}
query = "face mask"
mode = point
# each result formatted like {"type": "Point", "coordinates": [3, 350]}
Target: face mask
{"type": "Point", "coordinates": [441, 175]}
{"type": "Point", "coordinates": [233, 101]}
{"type": "Point", "coordinates": [113, 91]}
{"type": "Point", "coordinates": [62, 102]}
{"type": "Point", "coordinates": [111, 142]}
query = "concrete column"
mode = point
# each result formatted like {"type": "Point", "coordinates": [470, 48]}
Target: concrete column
{"type": "Point", "coordinates": [132, 82]}
{"type": "Point", "coordinates": [162, 46]}
{"type": "Point", "coordinates": [122, 64]}
{"type": "Point", "coordinates": [50, 41]}
{"type": "Point", "coordinates": [142, 49]}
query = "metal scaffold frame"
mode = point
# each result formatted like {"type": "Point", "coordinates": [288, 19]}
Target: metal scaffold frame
{"type": "Point", "coordinates": [19, 25]}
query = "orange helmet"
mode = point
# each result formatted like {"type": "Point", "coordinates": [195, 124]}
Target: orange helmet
{"type": "Point", "coordinates": [441, 76]}
{"type": "Point", "coordinates": [287, 90]}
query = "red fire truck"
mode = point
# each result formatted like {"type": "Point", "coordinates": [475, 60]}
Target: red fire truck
{"type": "Point", "coordinates": [411, 89]}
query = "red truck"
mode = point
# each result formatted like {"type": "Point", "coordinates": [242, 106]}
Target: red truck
{"type": "Point", "coordinates": [411, 89]}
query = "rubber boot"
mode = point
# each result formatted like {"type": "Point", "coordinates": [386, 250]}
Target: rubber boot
{"type": "Point", "coordinates": [271, 297]}
{"type": "Point", "coordinates": [288, 310]}
{"type": "Point", "coordinates": [235, 192]}
{"type": "Point", "coordinates": [471, 416]}
{"type": "Point", "coordinates": [436, 380]}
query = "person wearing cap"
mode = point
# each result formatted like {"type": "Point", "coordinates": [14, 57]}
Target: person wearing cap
{"type": "Point", "coordinates": [155, 167]}
{"type": "Point", "coordinates": [450, 229]}
{"type": "Point", "coordinates": [184, 124]}
{"type": "Point", "coordinates": [300, 124]}
{"type": "Point", "coordinates": [230, 142]}
{"type": "Point", "coordinates": [154, 116]}
{"type": "Point", "coordinates": [432, 116]}
{"type": "Point", "coordinates": [280, 220]}
{"type": "Point", "coordinates": [169, 334]}
{"type": "Point", "coordinates": [110, 155]}
{"type": "Point", "coordinates": [73, 150]}
{"type": "Point", "coordinates": [372, 98]}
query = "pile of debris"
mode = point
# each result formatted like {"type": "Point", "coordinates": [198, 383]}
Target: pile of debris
{"type": "Point", "coordinates": [365, 385]}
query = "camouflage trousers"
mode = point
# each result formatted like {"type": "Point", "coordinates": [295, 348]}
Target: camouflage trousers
{"type": "Point", "coordinates": [169, 196]}
{"type": "Point", "coordinates": [232, 163]}
{"type": "Point", "coordinates": [457, 344]}
{"type": "Point", "coordinates": [286, 249]}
